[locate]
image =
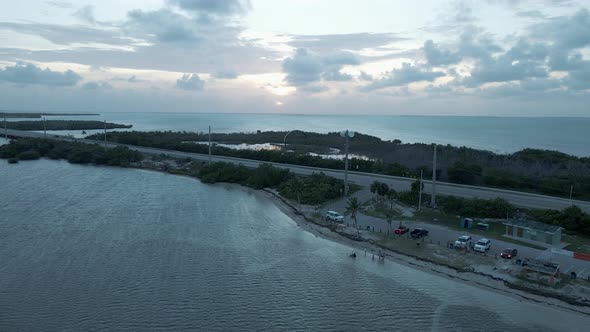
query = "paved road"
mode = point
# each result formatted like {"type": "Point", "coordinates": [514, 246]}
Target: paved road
{"type": "Point", "coordinates": [399, 183]}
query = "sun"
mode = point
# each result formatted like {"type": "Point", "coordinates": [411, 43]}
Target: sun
{"type": "Point", "coordinates": [279, 103]}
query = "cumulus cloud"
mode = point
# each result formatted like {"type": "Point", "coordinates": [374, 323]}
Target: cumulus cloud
{"type": "Point", "coordinates": [305, 67]}
{"type": "Point", "coordinates": [190, 82]}
{"type": "Point", "coordinates": [503, 70]}
{"type": "Point", "coordinates": [569, 32]}
{"type": "Point", "coordinates": [26, 73]}
{"type": "Point", "coordinates": [405, 75]}
{"type": "Point", "coordinates": [164, 24]}
{"type": "Point", "coordinates": [437, 57]}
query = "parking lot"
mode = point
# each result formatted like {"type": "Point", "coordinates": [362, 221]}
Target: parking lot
{"type": "Point", "coordinates": [440, 234]}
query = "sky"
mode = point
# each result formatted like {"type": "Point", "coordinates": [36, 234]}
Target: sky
{"type": "Point", "coordinates": [425, 57]}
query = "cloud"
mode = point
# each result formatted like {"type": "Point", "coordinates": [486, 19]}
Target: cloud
{"type": "Point", "coordinates": [164, 24]}
{"type": "Point", "coordinates": [503, 69]}
{"type": "Point", "coordinates": [26, 73]}
{"type": "Point", "coordinates": [67, 35]}
{"type": "Point", "coordinates": [305, 67]}
{"type": "Point", "coordinates": [217, 7]}
{"type": "Point", "coordinates": [60, 4]}
{"type": "Point", "coordinates": [475, 44]}
{"type": "Point", "coordinates": [86, 14]}
{"type": "Point", "coordinates": [190, 82]}
{"type": "Point", "coordinates": [350, 41]}
{"type": "Point", "coordinates": [566, 32]}
{"type": "Point", "coordinates": [227, 74]}
{"type": "Point", "coordinates": [365, 77]}
{"type": "Point", "coordinates": [438, 57]}
{"type": "Point", "coordinates": [536, 14]}
{"type": "Point", "coordinates": [405, 75]}
{"type": "Point", "coordinates": [96, 85]}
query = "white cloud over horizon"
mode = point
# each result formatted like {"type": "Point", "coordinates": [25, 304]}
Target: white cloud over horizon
{"type": "Point", "coordinates": [502, 58]}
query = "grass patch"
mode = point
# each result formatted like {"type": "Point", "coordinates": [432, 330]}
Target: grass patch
{"type": "Point", "coordinates": [578, 243]}
{"type": "Point", "coordinates": [379, 208]}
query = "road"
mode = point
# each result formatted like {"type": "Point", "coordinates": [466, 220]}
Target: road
{"type": "Point", "coordinates": [521, 199]}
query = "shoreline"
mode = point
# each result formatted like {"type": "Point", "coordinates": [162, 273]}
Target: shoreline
{"type": "Point", "coordinates": [475, 279]}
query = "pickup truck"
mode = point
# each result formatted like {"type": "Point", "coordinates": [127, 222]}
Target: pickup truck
{"type": "Point", "coordinates": [462, 241]}
{"type": "Point", "coordinates": [418, 233]}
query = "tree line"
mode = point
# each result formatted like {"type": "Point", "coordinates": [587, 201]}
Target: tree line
{"type": "Point", "coordinates": [546, 172]}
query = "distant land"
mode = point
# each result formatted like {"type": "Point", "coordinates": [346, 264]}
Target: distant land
{"type": "Point", "coordinates": [64, 125]}
{"type": "Point", "coordinates": [38, 115]}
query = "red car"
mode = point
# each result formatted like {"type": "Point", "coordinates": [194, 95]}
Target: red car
{"type": "Point", "coordinates": [509, 253]}
{"type": "Point", "coordinates": [401, 230]}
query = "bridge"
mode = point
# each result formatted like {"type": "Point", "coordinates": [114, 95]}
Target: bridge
{"type": "Point", "coordinates": [522, 199]}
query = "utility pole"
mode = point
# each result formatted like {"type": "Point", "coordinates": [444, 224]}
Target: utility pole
{"type": "Point", "coordinates": [347, 135]}
{"type": "Point", "coordinates": [209, 144]}
{"type": "Point", "coordinates": [420, 195]}
{"type": "Point", "coordinates": [44, 127]}
{"type": "Point", "coordinates": [105, 134]}
{"type": "Point", "coordinates": [433, 197]}
{"type": "Point", "coordinates": [5, 128]}
{"type": "Point", "coordinates": [571, 192]}
{"type": "Point", "coordinates": [346, 166]}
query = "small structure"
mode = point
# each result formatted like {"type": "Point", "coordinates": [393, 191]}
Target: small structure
{"type": "Point", "coordinates": [466, 223]}
{"type": "Point", "coordinates": [541, 269]}
{"type": "Point", "coordinates": [533, 231]}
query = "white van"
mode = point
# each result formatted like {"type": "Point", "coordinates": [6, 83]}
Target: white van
{"type": "Point", "coordinates": [482, 245]}
{"type": "Point", "coordinates": [334, 216]}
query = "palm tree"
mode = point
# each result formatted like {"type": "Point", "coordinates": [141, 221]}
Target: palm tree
{"type": "Point", "coordinates": [352, 208]}
{"type": "Point", "coordinates": [389, 219]}
{"type": "Point", "coordinates": [297, 187]}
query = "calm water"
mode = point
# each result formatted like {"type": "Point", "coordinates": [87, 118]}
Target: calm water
{"type": "Point", "coordinates": [497, 134]}
{"type": "Point", "coordinates": [84, 248]}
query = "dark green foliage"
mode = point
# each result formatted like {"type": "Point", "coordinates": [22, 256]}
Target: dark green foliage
{"type": "Point", "coordinates": [74, 152]}
{"type": "Point", "coordinates": [547, 172]}
{"type": "Point", "coordinates": [315, 189]}
{"type": "Point", "coordinates": [462, 173]}
{"type": "Point", "coordinates": [475, 207]}
{"type": "Point", "coordinates": [416, 186]}
{"type": "Point", "coordinates": [379, 188]}
{"type": "Point", "coordinates": [63, 125]}
{"type": "Point", "coordinates": [572, 219]}
{"type": "Point", "coordinates": [262, 177]}
{"type": "Point", "coordinates": [29, 155]}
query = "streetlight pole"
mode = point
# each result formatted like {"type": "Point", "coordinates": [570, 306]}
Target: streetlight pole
{"type": "Point", "coordinates": [571, 193]}
{"type": "Point", "coordinates": [433, 197]}
{"type": "Point", "coordinates": [5, 128]}
{"type": "Point", "coordinates": [420, 197]}
{"type": "Point", "coordinates": [44, 127]}
{"type": "Point", "coordinates": [209, 144]}
{"type": "Point", "coordinates": [347, 135]}
{"type": "Point", "coordinates": [105, 134]}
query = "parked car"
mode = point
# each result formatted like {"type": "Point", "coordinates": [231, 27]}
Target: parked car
{"type": "Point", "coordinates": [418, 233]}
{"type": "Point", "coordinates": [509, 253]}
{"type": "Point", "coordinates": [334, 216]}
{"type": "Point", "coordinates": [462, 241]}
{"type": "Point", "coordinates": [482, 245]}
{"type": "Point", "coordinates": [401, 230]}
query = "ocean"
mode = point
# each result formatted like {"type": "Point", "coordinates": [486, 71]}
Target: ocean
{"type": "Point", "coordinates": [496, 134]}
